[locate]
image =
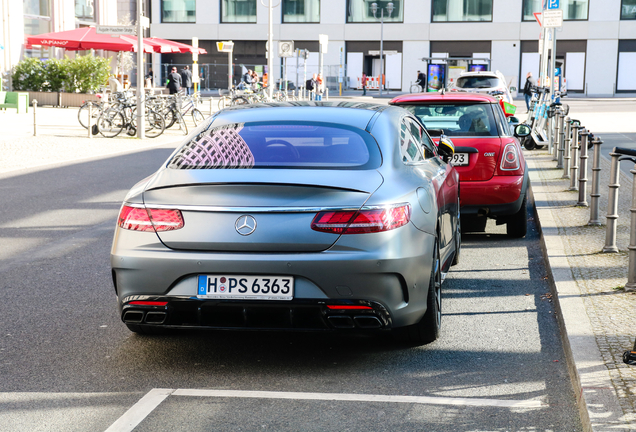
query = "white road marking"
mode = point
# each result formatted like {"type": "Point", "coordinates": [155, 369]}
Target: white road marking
{"type": "Point", "coordinates": [139, 411]}
{"type": "Point", "coordinates": [427, 400]}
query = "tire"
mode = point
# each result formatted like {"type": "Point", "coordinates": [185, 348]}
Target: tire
{"type": "Point", "coordinates": [239, 101]}
{"type": "Point", "coordinates": [154, 124]}
{"type": "Point", "coordinates": [415, 89]}
{"type": "Point", "coordinates": [197, 117]}
{"type": "Point", "coordinates": [82, 114]}
{"type": "Point", "coordinates": [224, 101]}
{"type": "Point", "coordinates": [528, 143]}
{"type": "Point", "coordinates": [458, 237]}
{"type": "Point", "coordinates": [517, 225]}
{"type": "Point", "coordinates": [169, 117]}
{"type": "Point", "coordinates": [428, 329]}
{"type": "Point", "coordinates": [110, 123]}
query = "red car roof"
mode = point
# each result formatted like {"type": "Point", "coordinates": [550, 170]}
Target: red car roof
{"type": "Point", "coordinates": [439, 97]}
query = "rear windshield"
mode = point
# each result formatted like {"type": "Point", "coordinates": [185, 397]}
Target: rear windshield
{"type": "Point", "coordinates": [279, 145]}
{"type": "Point", "coordinates": [457, 119]}
{"type": "Point", "coordinates": [477, 82]}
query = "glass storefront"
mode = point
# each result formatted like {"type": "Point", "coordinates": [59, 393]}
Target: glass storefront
{"type": "Point", "coordinates": [572, 9]}
{"type": "Point", "coordinates": [628, 9]}
{"type": "Point", "coordinates": [361, 11]}
{"type": "Point", "coordinates": [238, 11]}
{"type": "Point", "coordinates": [178, 11]}
{"type": "Point", "coordinates": [37, 20]}
{"type": "Point", "coordinates": [85, 10]}
{"type": "Point", "coordinates": [301, 11]}
{"type": "Point", "coordinates": [462, 10]}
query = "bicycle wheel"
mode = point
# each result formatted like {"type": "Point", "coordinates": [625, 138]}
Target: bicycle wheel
{"type": "Point", "coordinates": [239, 101]}
{"type": "Point", "coordinates": [224, 101]}
{"type": "Point", "coordinates": [110, 123]}
{"type": "Point", "coordinates": [415, 88]}
{"type": "Point", "coordinates": [169, 117]}
{"type": "Point", "coordinates": [82, 114]}
{"type": "Point", "coordinates": [197, 116]}
{"type": "Point", "coordinates": [154, 124]}
{"type": "Point", "coordinates": [182, 124]}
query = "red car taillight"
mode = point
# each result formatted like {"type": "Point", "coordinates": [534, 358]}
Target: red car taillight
{"type": "Point", "coordinates": [510, 158]}
{"type": "Point", "coordinates": [363, 221]}
{"type": "Point", "coordinates": [148, 220]}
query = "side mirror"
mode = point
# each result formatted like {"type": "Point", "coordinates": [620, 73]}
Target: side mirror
{"type": "Point", "coordinates": [513, 120]}
{"type": "Point", "coordinates": [522, 130]}
{"type": "Point", "coordinates": [446, 148]}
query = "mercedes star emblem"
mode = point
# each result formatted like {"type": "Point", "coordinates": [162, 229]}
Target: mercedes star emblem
{"type": "Point", "coordinates": [245, 225]}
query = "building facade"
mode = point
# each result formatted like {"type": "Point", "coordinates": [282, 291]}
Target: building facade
{"type": "Point", "coordinates": [596, 47]}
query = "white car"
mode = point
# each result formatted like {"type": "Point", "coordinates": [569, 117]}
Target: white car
{"type": "Point", "coordinates": [484, 82]}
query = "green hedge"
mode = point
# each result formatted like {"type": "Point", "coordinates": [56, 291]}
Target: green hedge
{"type": "Point", "coordinates": [82, 74]}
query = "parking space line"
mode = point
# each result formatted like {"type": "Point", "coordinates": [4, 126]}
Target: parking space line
{"type": "Point", "coordinates": [426, 400]}
{"type": "Point", "coordinates": [139, 411]}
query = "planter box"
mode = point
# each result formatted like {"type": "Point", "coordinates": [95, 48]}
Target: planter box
{"type": "Point", "coordinates": [62, 99]}
{"type": "Point", "coordinates": [76, 99]}
{"type": "Point", "coordinates": [44, 98]}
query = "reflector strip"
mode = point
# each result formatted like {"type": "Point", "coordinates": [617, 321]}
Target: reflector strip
{"type": "Point", "coordinates": [349, 307]}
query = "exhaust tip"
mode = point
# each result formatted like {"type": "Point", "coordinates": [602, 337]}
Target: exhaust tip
{"type": "Point", "coordinates": [341, 322]}
{"type": "Point", "coordinates": [156, 317]}
{"type": "Point", "coordinates": [133, 317]}
{"type": "Point", "coordinates": [367, 322]}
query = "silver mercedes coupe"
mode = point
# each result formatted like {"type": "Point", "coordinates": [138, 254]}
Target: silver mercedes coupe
{"type": "Point", "coordinates": [293, 216]}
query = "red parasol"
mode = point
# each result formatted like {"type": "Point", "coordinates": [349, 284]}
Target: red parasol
{"type": "Point", "coordinates": [181, 47]}
{"type": "Point", "coordinates": [86, 38]}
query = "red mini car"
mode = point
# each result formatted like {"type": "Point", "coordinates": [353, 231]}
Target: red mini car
{"type": "Point", "coordinates": [492, 170]}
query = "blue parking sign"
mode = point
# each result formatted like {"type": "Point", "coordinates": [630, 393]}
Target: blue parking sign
{"type": "Point", "coordinates": [553, 4]}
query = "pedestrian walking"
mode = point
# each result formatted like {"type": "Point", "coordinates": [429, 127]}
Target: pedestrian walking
{"type": "Point", "coordinates": [186, 79]}
{"type": "Point", "coordinates": [174, 81]}
{"type": "Point", "coordinates": [320, 87]}
{"type": "Point", "coordinates": [364, 84]}
{"type": "Point", "coordinates": [528, 88]}
{"type": "Point", "coordinates": [310, 85]}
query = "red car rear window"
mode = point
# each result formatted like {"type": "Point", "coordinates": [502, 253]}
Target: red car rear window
{"type": "Point", "coordinates": [457, 119]}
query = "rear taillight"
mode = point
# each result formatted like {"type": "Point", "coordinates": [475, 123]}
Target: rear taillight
{"type": "Point", "coordinates": [149, 220]}
{"type": "Point", "coordinates": [362, 221]}
{"type": "Point", "coordinates": [510, 158]}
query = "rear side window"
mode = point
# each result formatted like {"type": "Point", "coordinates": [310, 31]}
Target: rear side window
{"type": "Point", "coordinates": [279, 145]}
{"type": "Point", "coordinates": [477, 82]}
{"type": "Point", "coordinates": [457, 119]}
{"type": "Point", "coordinates": [409, 145]}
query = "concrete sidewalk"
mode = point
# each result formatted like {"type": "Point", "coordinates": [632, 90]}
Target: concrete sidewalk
{"type": "Point", "coordinates": [597, 316]}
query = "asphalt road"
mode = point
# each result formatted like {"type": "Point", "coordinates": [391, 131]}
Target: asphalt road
{"type": "Point", "coordinates": [68, 363]}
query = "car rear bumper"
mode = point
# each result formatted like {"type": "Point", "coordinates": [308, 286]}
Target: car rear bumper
{"type": "Point", "coordinates": [499, 196]}
{"type": "Point", "coordinates": [393, 274]}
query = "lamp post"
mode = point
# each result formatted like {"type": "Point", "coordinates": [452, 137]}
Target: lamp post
{"type": "Point", "coordinates": [374, 9]}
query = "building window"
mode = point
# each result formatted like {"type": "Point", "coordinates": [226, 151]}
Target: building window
{"type": "Point", "coordinates": [628, 9]}
{"type": "Point", "coordinates": [572, 9]}
{"type": "Point", "coordinates": [37, 20]}
{"type": "Point", "coordinates": [361, 11]}
{"type": "Point", "coordinates": [303, 11]}
{"type": "Point", "coordinates": [238, 11]}
{"type": "Point", "coordinates": [462, 10]}
{"type": "Point", "coordinates": [85, 10]}
{"type": "Point", "coordinates": [178, 11]}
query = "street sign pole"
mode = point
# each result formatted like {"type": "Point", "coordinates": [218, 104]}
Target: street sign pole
{"type": "Point", "coordinates": [141, 126]}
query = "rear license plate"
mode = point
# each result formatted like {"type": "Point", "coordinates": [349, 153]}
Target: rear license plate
{"type": "Point", "coordinates": [245, 287]}
{"type": "Point", "coordinates": [460, 159]}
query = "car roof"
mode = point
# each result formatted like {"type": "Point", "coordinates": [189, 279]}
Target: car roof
{"type": "Point", "coordinates": [448, 97]}
{"type": "Point", "coordinates": [346, 113]}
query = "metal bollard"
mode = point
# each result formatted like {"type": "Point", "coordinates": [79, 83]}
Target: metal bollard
{"type": "Point", "coordinates": [90, 118]}
{"type": "Point", "coordinates": [596, 183]}
{"type": "Point", "coordinates": [574, 151]}
{"type": "Point", "coordinates": [211, 98]}
{"type": "Point", "coordinates": [566, 148]}
{"type": "Point", "coordinates": [631, 267]}
{"type": "Point", "coordinates": [583, 170]}
{"type": "Point", "coordinates": [561, 140]}
{"type": "Point", "coordinates": [35, 108]}
{"type": "Point", "coordinates": [555, 133]}
{"type": "Point", "coordinates": [612, 205]}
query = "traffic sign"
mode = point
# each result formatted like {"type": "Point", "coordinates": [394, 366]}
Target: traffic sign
{"type": "Point", "coordinates": [116, 30]}
{"type": "Point", "coordinates": [553, 4]}
{"type": "Point", "coordinates": [553, 18]}
{"type": "Point", "coordinates": [285, 48]}
{"type": "Point", "coordinates": [227, 46]}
